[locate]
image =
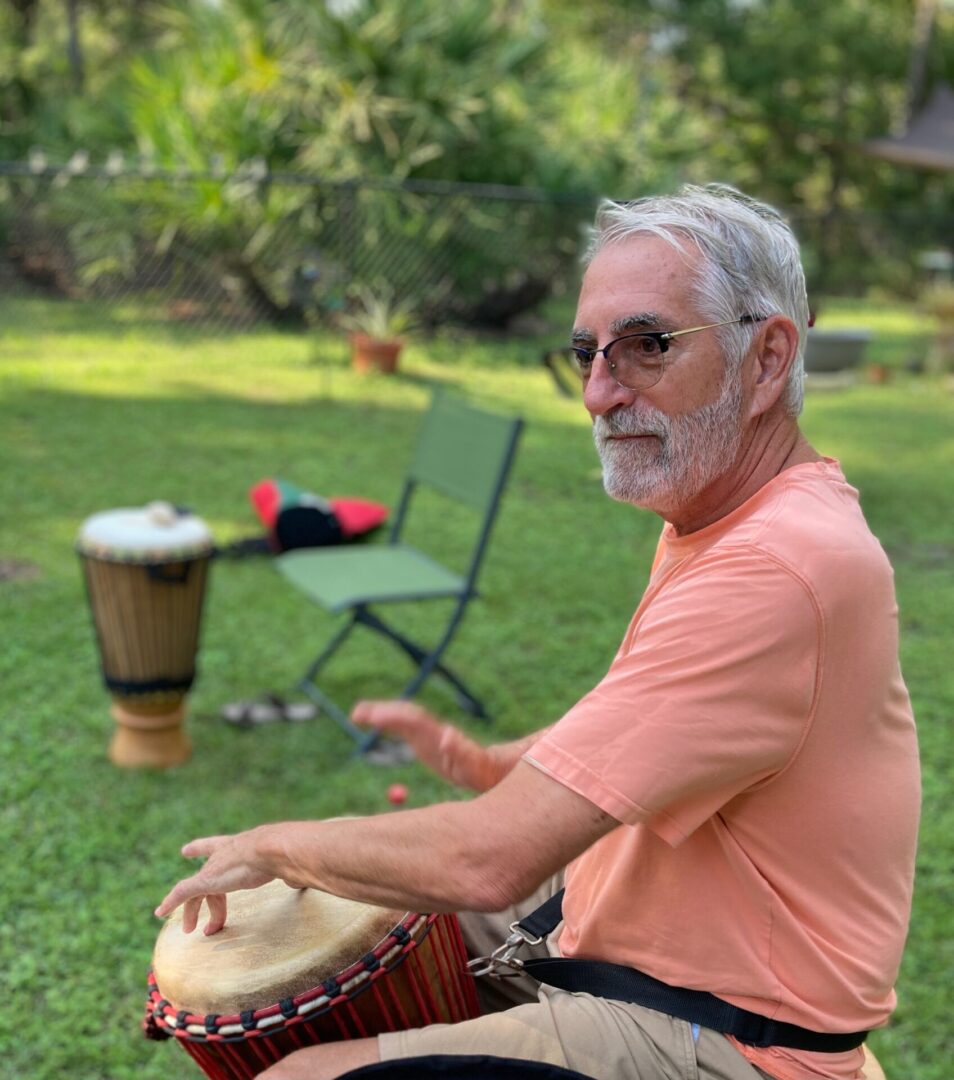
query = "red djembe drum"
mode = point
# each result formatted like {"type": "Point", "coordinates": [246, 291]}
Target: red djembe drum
{"type": "Point", "coordinates": [298, 967]}
{"type": "Point", "coordinates": [145, 572]}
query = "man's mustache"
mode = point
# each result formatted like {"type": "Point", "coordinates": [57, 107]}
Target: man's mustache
{"type": "Point", "coordinates": [629, 423]}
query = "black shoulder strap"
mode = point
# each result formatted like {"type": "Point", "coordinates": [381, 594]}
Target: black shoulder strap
{"type": "Point", "coordinates": [697, 1006]}
{"type": "Point", "coordinates": [546, 918]}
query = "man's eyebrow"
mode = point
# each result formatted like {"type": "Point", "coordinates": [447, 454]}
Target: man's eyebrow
{"type": "Point", "coordinates": [642, 320]}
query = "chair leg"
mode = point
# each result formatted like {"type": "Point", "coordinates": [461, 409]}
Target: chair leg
{"type": "Point", "coordinates": [330, 649]}
{"type": "Point", "coordinates": [365, 740]}
{"type": "Point", "coordinates": [428, 662]}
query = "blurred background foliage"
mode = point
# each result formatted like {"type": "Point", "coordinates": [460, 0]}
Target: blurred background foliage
{"type": "Point", "coordinates": [618, 97]}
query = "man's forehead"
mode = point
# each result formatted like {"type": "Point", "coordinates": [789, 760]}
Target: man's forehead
{"type": "Point", "coordinates": [640, 282]}
{"type": "Point", "coordinates": [671, 248]}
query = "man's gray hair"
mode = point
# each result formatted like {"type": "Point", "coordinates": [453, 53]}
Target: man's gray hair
{"type": "Point", "coordinates": [751, 261]}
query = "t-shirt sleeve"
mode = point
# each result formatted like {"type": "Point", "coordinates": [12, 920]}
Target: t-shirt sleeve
{"type": "Point", "coordinates": [711, 695]}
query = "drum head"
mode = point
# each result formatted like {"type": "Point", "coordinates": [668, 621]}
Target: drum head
{"type": "Point", "coordinates": [278, 942]}
{"type": "Point", "coordinates": [155, 533]}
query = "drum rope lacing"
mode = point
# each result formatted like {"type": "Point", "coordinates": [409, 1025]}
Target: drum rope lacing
{"type": "Point", "coordinates": [163, 1021]}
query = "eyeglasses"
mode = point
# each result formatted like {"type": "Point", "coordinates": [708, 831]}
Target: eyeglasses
{"type": "Point", "coordinates": [637, 360]}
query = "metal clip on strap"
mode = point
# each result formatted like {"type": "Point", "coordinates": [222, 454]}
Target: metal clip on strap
{"type": "Point", "coordinates": [503, 963]}
{"type": "Point", "coordinates": [532, 929]}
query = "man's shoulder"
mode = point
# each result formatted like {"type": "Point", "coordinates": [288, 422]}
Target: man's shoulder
{"type": "Point", "coordinates": [807, 533]}
{"type": "Point", "coordinates": [805, 513]}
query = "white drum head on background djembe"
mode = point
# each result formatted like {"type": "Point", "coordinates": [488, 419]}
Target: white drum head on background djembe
{"type": "Point", "coordinates": [298, 967]}
{"type": "Point", "coordinates": [145, 570]}
{"type": "Point", "coordinates": [157, 533]}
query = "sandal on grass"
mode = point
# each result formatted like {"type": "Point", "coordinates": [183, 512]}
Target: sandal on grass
{"type": "Point", "coordinates": [267, 709]}
{"type": "Point", "coordinates": [390, 752]}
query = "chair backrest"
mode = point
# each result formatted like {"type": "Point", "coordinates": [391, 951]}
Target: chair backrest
{"type": "Point", "coordinates": [465, 453]}
{"type": "Point", "coordinates": [462, 450]}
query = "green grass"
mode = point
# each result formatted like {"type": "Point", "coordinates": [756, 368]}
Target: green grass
{"type": "Point", "coordinates": [99, 412]}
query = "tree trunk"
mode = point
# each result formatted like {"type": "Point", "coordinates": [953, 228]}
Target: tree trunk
{"type": "Point", "coordinates": [75, 49]}
{"type": "Point", "coordinates": [26, 15]}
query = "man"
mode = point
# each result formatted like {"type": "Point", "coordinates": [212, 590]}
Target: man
{"type": "Point", "coordinates": [736, 801]}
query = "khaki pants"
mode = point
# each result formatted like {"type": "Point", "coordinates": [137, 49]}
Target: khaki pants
{"type": "Point", "coordinates": [601, 1038]}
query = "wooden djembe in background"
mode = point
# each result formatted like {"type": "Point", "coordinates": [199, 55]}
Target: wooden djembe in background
{"type": "Point", "coordinates": [146, 572]}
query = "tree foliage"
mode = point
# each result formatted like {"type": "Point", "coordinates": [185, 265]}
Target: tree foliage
{"type": "Point", "coordinates": [618, 97]}
{"type": "Point", "coordinates": [780, 97]}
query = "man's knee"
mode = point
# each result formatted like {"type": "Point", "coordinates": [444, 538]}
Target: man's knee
{"type": "Point", "coordinates": [324, 1062]}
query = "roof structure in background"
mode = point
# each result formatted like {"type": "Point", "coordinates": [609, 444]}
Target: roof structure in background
{"type": "Point", "coordinates": [929, 141]}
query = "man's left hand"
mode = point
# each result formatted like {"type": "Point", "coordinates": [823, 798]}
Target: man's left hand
{"type": "Point", "coordinates": [232, 862]}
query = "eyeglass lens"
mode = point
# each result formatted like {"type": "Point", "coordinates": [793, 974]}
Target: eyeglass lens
{"type": "Point", "coordinates": [635, 362]}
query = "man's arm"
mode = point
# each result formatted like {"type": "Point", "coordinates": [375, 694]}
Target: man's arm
{"type": "Point", "coordinates": [442, 747]}
{"type": "Point", "coordinates": [479, 855]}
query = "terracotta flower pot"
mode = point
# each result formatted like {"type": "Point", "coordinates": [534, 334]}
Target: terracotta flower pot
{"type": "Point", "coordinates": [369, 354]}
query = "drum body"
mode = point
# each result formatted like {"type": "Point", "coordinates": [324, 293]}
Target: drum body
{"type": "Point", "coordinates": [145, 572]}
{"type": "Point", "coordinates": [297, 967]}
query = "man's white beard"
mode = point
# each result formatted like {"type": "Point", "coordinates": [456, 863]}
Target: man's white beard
{"type": "Point", "coordinates": [689, 453]}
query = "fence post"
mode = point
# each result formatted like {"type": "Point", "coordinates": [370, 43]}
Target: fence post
{"type": "Point", "coordinates": [349, 233]}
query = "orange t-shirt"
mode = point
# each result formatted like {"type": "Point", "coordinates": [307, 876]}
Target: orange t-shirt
{"type": "Point", "coordinates": [755, 738]}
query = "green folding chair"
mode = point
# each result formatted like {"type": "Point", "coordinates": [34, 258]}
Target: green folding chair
{"type": "Point", "coordinates": [464, 453]}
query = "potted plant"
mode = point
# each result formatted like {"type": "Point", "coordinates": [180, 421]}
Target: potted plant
{"type": "Point", "coordinates": [377, 323]}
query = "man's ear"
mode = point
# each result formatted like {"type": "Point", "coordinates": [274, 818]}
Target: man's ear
{"type": "Point", "coordinates": [772, 357]}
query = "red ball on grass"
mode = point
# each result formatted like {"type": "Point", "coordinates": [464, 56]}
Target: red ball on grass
{"type": "Point", "coordinates": [397, 794]}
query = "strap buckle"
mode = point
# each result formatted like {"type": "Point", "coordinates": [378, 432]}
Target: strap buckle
{"type": "Point", "coordinates": [503, 963]}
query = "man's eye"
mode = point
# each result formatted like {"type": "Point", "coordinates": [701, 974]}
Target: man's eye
{"type": "Point", "coordinates": [646, 346]}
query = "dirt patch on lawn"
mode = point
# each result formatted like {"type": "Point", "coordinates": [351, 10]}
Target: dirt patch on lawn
{"type": "Point", "coordinates": [922, 555]}
{"type": "Point", "coordinates": [17, 570]}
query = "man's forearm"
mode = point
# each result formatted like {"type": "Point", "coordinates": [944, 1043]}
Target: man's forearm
{"type": "Point", "coordinates": [505, 756]}
{"type": "Point", "coordinates": [481, 854]}
{"type": "Point", "coordinates": [412, 860]}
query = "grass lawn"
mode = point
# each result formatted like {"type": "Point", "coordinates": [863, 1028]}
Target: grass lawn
{"type": "Point", "coordinates": [97, 413]}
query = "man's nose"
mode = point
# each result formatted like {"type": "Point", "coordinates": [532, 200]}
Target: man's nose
{"type": "Point", "coordinates": [602, 392]}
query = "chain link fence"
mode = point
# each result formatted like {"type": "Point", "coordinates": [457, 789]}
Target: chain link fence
{"type": "Point", "coordinates": [230, 251]}
{"type": "Point", "coordinates": [226, 251]}
{"type": "Point", "coordinates": [855, 253]}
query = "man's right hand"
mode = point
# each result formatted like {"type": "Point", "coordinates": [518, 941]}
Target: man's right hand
{"type": "Point", "coordinates": [439, 745]}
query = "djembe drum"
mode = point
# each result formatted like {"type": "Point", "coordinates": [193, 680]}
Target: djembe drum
{"type": "Point", "coordinates": [297, 967]}
{"type": "Point", "coordinates": [145, 572]}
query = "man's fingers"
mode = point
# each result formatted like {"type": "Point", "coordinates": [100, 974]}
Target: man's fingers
{"type": "Point", "coordinates": [190, 913]}
{"type": "Point", "coordinates": [383, 715]}
{"type": "Point", "coordinates": [373, 714]}
{"type": "Point", "coordinates": [231, 864]}
{"type": "Point", "coordinates": [218, 909]}
{"type": "Point", "coordinates": [203, 846]}
{"type": "Point", "coordinates": [186, 890]}
{"type": "Point", "coordinates": [402, 719]}
{"type": "Point", "coordinates": [176, 896]}
{"type": "Point", "coordinates": [192, 907]}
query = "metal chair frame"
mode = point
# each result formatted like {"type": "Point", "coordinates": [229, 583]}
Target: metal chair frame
{"type": "Point", "coordinates": [428, 661]}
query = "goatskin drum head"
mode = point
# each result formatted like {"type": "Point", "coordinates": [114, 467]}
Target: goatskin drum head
{"type": "Point", "coordinates": [155, 533]}
{"type": "Point", "coordinates": [278, 942]}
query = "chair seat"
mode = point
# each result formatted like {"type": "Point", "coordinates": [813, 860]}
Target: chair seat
{"type": "Point", "coordinates": [340, 578]}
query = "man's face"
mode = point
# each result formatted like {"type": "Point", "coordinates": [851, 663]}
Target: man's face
{"type": "Point", "coordinates": [663, 446]}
